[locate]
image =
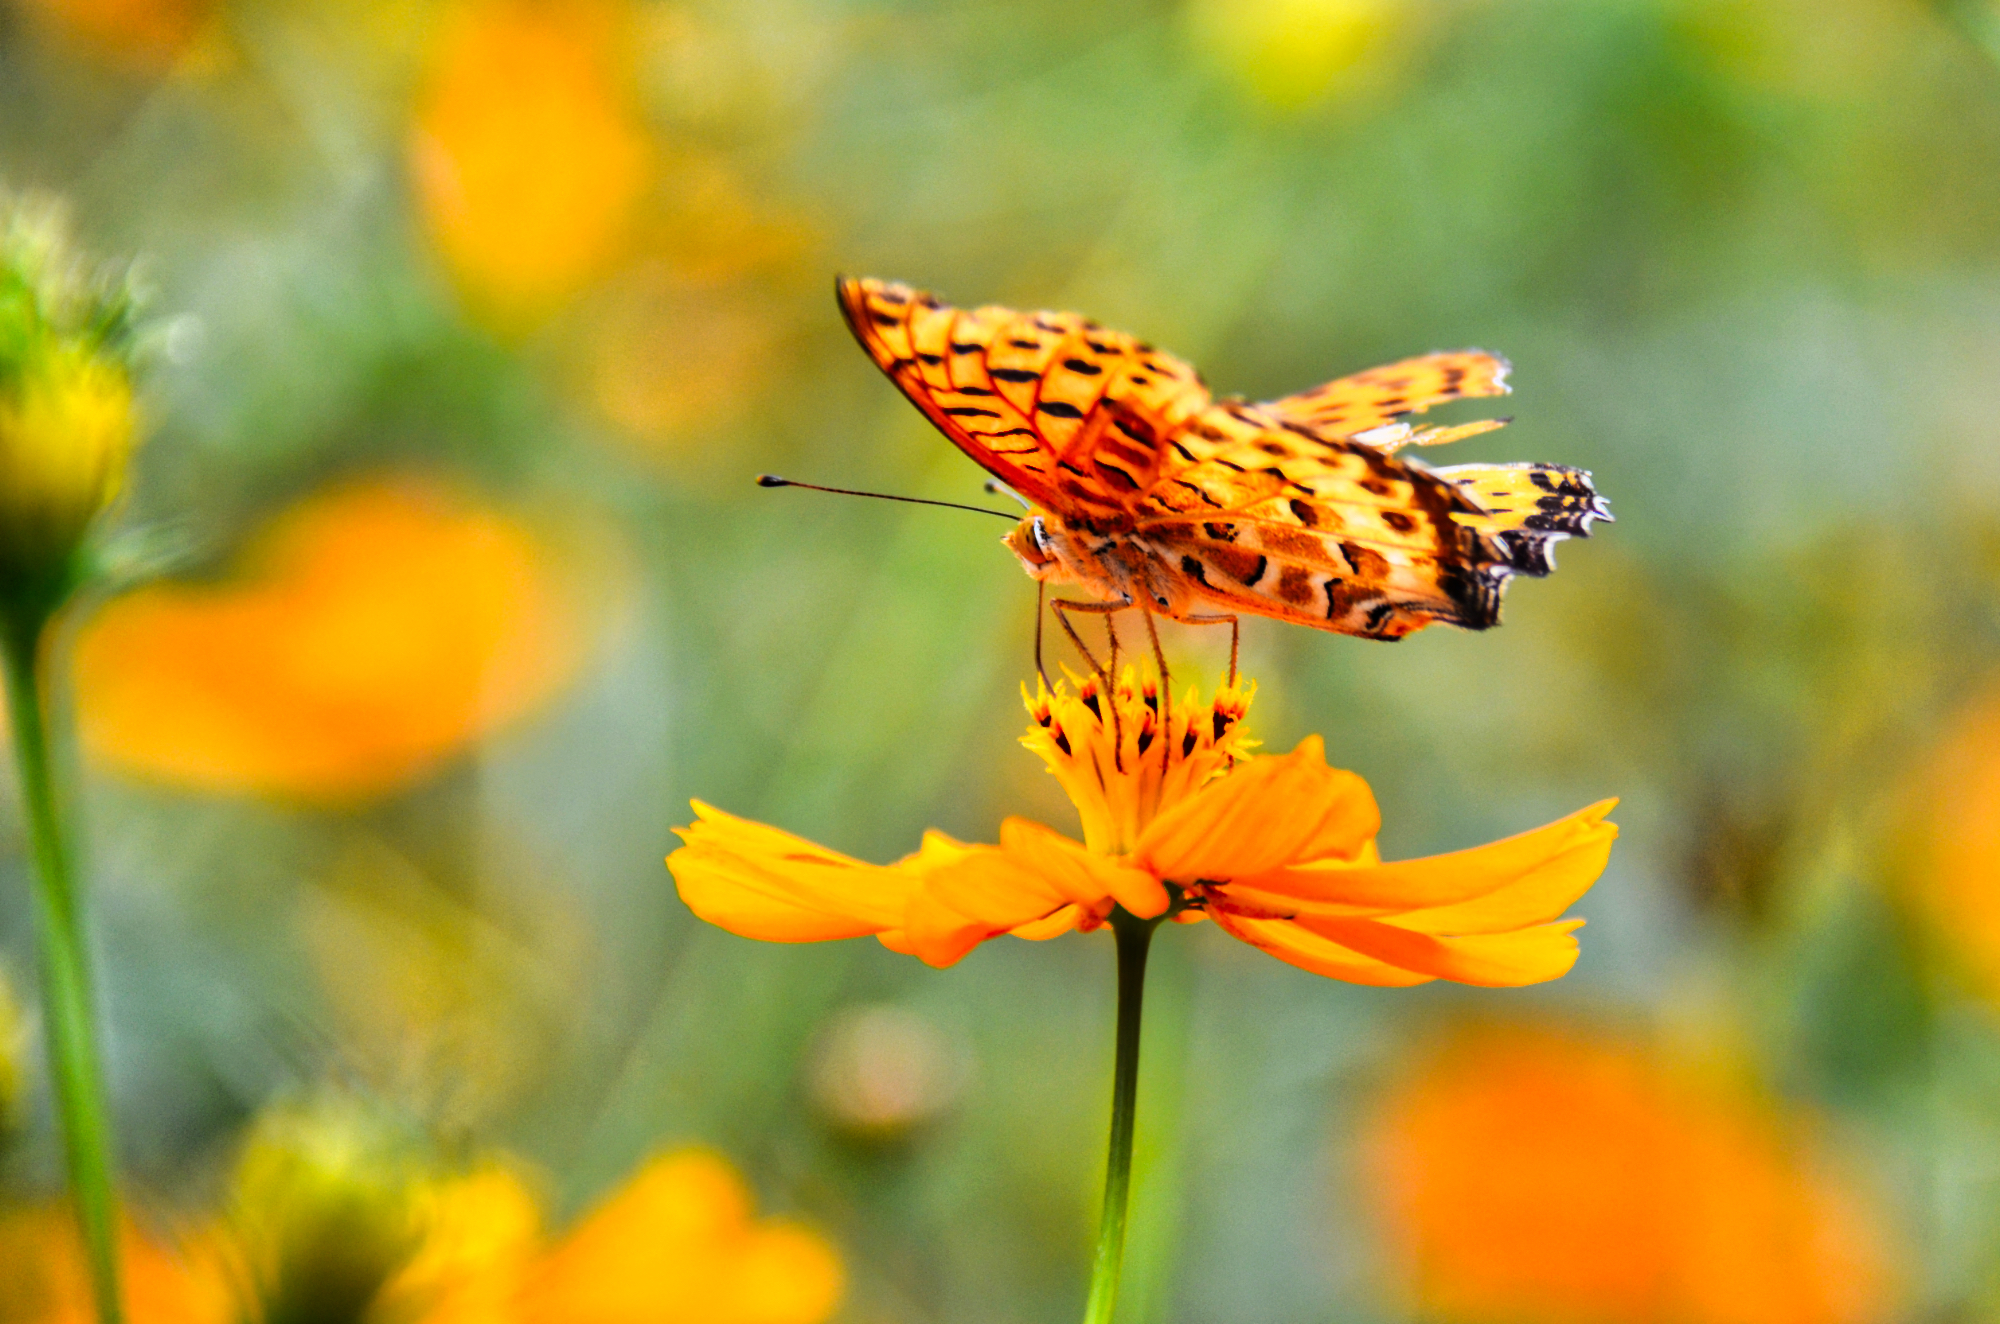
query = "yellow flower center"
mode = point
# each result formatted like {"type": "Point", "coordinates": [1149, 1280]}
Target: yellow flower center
{"type": "Point", "coordinates": [1123, 759]}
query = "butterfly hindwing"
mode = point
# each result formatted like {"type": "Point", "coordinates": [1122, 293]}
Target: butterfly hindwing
{"type": "Point", "coordinates": [1527, 508]}
{"type": "Point", "coordinates": [1380, 396]}
{"type": "Point", "coordinates": [1272, 520]}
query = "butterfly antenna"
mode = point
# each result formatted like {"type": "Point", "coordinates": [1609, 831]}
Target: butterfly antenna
{"type": "Point", "coordinates": [772, 480]}
{"type": "Point", "coordinates": [998, 488]}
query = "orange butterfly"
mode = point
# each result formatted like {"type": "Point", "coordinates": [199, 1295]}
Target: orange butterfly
{"type": "Point", "coordinates": [1146, 492]}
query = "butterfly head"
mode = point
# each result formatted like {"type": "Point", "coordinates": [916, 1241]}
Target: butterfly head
{"type": "Point", "coordinates": [1037, 545]}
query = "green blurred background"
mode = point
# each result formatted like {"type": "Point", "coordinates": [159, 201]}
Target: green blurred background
{"type": "Point", "coordinates": [562, 272]}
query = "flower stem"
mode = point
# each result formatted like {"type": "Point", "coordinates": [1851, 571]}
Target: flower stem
{"type": "Point", "coordinates": [1135, 937]}
{"type": "Point", "coordinates": [65, 970]}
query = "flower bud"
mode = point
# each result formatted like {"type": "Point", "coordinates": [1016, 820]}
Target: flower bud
{"type": "Point", "coordinates": [67, 420]}
{"type": "Point", "coordinates": [326, 1208]}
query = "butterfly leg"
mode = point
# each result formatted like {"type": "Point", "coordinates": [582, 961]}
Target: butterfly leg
{"type": "Point", "coordinates": [1062, 607]}
{"type": "Point", "coordinates": [1166, 695]}
{"type": "Point", "coordinates": [1041, 598]}
{"type": "Point", "coordinates": [1235, 637]}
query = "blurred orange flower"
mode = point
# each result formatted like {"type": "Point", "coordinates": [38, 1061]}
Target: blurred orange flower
{"type": "Point", "coordinates": [679, 1242]}
{"type": "Point", "coordinates": [1177, 819]}
{"type": "Point", "coordinates": [1956, 853]}
{"type": "Point", "coordinates": [368, 634]}
{"type": "Point", "coordinates": [43, 1279]}
{"type": "Point", "coordinates": [146, 33]}
{"type": "Point", "coordinates": [528, 155]}
{"type": "Point", "coordinates": [1529, 1175]}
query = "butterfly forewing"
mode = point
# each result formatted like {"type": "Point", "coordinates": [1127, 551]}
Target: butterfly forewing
{"type": "Point", "coordinates": [1064, 411]}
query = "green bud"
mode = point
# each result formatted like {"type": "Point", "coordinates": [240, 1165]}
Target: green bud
{"type": "Point", "coordinates": [67, 415]}
{"type": "Point", "coordinates": [326, 1203]}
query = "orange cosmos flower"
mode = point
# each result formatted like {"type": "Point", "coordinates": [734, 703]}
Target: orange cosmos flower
{"type": "Point", "coordinates": [1177, 819]}
{"type": "Point", "coordinates": [373, 631]}
{"type": "Point", "coordinates": [1529, 1175]}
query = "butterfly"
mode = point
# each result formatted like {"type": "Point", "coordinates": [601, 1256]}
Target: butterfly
{"type": "Point", "coordinates": [1145, 491]}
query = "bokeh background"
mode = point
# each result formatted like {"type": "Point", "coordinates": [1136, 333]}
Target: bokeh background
{"type": "Point", "coordinates": [443, 586]}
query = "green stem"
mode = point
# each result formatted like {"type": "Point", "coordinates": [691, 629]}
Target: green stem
{"type": "Point", "coordinates": [65, 972]}
{"type": "Point", "coordinates": [1135, 936]}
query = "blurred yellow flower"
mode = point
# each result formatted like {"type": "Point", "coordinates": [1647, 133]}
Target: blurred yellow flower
{"type": "Point", "coordinates": [369, 634]}
{"type": "Point", "coordinates": [1177, 818]}
{"type": "Point", "coordinates": [1525, 1175]}
{"type": "Point", "coordinates": [528, 156]}
{"type": "Point", "coordinates": [1293, 54]}
{"type": "Point", "coordinates": [66, 412]}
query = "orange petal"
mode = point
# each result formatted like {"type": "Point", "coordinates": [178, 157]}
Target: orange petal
{"type": "Point", "coordinates": [1082, 876]}
{"type": "Point", "coordinates": [1308, 951]}
{"type": "Point", "coordinates": [975, 893]}
{"type": "Point", "coordinates": [760, 882]}
{"type": "Point", "coordinates": [1494, 960]}
{"type": "Point", "coordinates": [1052, 926]}
{"type": "Point", "coordinates": [1268, 813]}
{"type": "Point", "coordinates": [1543, 894]}
{"type": "Point", "coordinates": [1434, 881]}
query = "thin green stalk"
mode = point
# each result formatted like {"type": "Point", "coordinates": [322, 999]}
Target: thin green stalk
{"type": "Point", "coordinates": [66, 1001]}
{"type": "Point", "coordinates": [1135, 937]}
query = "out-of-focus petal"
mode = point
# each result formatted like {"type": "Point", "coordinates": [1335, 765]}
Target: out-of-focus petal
{"type": "Point", "coordinates": [679, 1242]}
{"type": "Point", "coordinates": [760, 882]}
{"type": "Point", "coordinates": [529, 157]}
{"type": "Point", "coordinates": [1438, 881]}
{"type": "Point", "coordinates": [1601, 1180]}
{"type": "Point", "coordinates": [1268, 813]}
{"type": "Point", "coordinates": [372, 632]}
{"type": "Point", "coordinates": [45, 1279]}
{"type": "Point", "coordinates": [1308, 951]}
{"type": "Point", "coordinates": [785, 1274]}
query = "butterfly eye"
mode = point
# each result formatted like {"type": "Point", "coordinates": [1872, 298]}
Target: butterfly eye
{"type": "Point", "coordinates": [1041, 537]}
